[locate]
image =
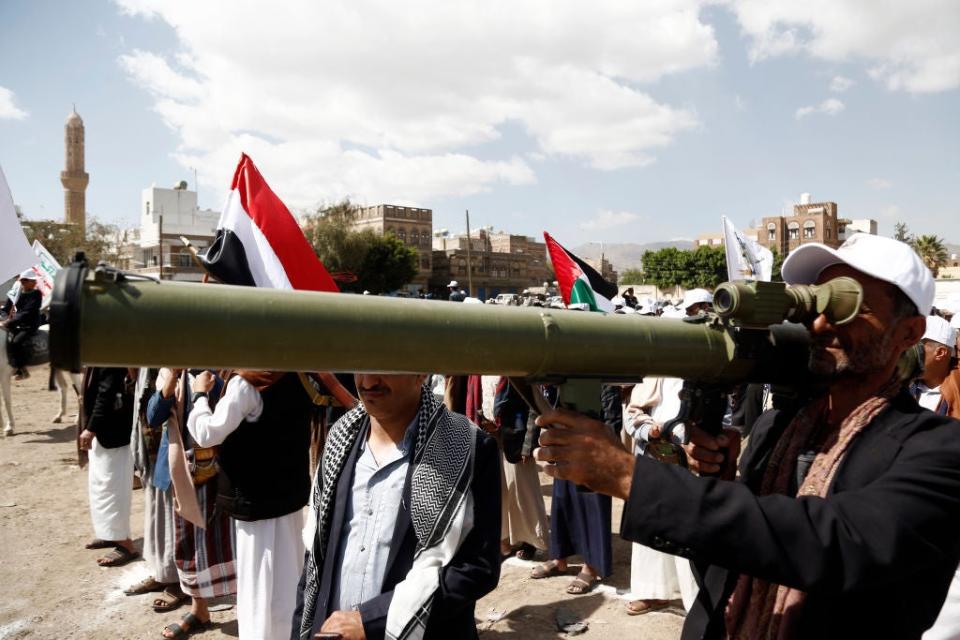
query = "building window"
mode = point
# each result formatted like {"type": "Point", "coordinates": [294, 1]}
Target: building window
{"type": "Point", "coordinates": [424, 262]}
{"type": "Point", "coordinates": [793, 231]}
{"type": "Point", "coordinates": [148, 207]}
{"type": "Point", "coordinates": [402, 235]}
{"type": "Point", "coordinates": [771, 232]}
{"type": "Point", "coordinates": [809, 229]}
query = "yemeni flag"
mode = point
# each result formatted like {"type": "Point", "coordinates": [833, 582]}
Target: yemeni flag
{"type": "Point", "coordinates": [258, 241]}
{"type": "Point", "coordinates": [578, 281]}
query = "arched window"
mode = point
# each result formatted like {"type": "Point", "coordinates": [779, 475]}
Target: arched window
{"type": "Point", "coordinates": [414, 238]}
{"type": "Point", "coordinates": [809, 229]}
{"type": "Point", "coordinates": [771, 231]}
{"type": "Point", "coordinates": [793, 231]}
{"type": "Point", "coordinates": [402, 235]}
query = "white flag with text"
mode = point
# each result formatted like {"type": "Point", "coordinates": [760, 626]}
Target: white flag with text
{"type": "Point", "coordinates": [747, 259]}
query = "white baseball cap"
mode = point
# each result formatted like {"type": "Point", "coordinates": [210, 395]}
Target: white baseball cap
{"type": "Point", "coordinates": [29, 274]}
{"type": "Point", "coordinates": [883, 258]}
{"type": "Point", "coordinates": [695, 296]}
{"type": "Point", "coordinates": [453, 283]}
{"type": "Point", "coordinates": [939, 330]}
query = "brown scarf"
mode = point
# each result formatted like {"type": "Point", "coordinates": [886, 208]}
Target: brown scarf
{"type": "Point", "coordinates": [757, 608]}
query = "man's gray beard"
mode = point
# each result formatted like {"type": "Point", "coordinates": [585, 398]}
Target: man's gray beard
{"type": "Point", "coordinates": [865, 359]}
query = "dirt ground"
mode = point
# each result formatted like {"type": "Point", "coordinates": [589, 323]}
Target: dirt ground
{"type": "Point", "coordinates": [51, 587]}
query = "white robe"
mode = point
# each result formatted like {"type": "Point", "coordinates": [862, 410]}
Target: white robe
{"type": "Point", "coordinates": [947, 625]}
{"type": "Point", "coordinates": [655, 575]}
{"type": "Point", "coordinates": [269, 552]}
{"type": "Point", "coordinates": [110, 485]}
{"type": "Point", "coordinates": [269, 562]}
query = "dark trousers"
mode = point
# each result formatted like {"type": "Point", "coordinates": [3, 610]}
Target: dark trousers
{"type": "Point", "coordinates": [17, 347]}
{"type": "Point", "coordinates": [580, 524]}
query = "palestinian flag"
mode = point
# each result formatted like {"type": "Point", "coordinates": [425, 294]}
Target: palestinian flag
{"type": "Point", "coordinates": [259, 243]}
{"type": "Point", "coordinates": [578, 281]}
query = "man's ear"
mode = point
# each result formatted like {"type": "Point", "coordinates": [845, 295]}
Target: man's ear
{"type": "Point", "coordinates": [941, 353]}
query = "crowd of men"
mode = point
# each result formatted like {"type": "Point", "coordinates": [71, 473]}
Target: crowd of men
{"type": "Point", "coordinates": [390, 517]}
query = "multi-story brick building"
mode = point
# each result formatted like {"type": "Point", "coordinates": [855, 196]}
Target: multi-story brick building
{"type": "Point", "coordinates": [499, 263]}
{"type": "Point", "coordinates": [411, 225]}
{"type": "Point", "coordinates": [810, 222]}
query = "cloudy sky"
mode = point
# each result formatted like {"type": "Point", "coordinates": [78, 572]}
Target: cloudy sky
{"type": "Point", "coordinates": [602, 121]}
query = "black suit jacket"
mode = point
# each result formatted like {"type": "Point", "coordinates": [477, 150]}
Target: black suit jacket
{"type": "Point", "coordinates": [875, 556]}
{"type": "Point", "coordinates": [472, 573]}
{"type": "Point", "coordinates": [108, 406]}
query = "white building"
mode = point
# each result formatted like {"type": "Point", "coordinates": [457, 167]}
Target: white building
{"type": "Point", "coordinates": [165, 216]}
{"type": "Point", "coordinates": [859, 225]}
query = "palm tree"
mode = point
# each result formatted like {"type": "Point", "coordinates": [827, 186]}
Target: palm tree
{"type": "Point", "coordinates": [932, 251]}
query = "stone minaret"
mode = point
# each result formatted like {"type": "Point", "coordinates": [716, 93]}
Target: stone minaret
{"type": "Point", "coordinates": [73, 177]}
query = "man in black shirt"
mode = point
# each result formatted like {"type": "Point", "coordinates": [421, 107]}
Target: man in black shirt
{"type": "Point", "coordinates": [24, 322]}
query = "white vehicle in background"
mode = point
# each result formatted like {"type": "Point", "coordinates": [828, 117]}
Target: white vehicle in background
{"type": "Point", "coordinates": [507, 299]}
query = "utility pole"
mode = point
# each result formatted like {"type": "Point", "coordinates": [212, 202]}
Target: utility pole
{"type": "Point", "coordinates": [469, 265]}
{"type": "Point", "coordinates": [160, 242]}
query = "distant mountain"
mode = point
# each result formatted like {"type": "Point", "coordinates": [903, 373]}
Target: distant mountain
{"type": "Point", "coordinates": [627, 255]}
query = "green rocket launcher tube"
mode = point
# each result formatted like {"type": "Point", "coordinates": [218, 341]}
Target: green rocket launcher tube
{"type": "Point", "coordinates": [104, 317]}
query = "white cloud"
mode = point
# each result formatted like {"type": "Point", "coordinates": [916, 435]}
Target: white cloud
{"type": "Point", "coordinates": [908, 46]}
{"type": "Point", "coordinates": [829, 107]}
{"type": "Point", "coordinates": [8, 110]}
{"type": "Point", "coordinates": [839, 84]}
{"type": "Point", "coordinates": [385, 101]}
{"type": "Point", "coordinates": [608, 220]}
{"type": "Point", "coordinates": [879, 184]}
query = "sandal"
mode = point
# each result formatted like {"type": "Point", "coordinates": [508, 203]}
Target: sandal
{"type": "Point", "coordinates": [118, 557]}
{"type": "Point", "coordinates": [194, 624]}
{"type": "Point", "coordinates": [526, 551]}
{"type": "Point", "coordinates": [171, 598]}
{"type": "Point", "coordinates": [583, 583]}
{"type": "Point", "coordinates": [97, 543]}
{"type": "Point", "coordinates": [547, 570]}
{"type": "Point", "coordinates": [640, 607]}
{"type": "Point", "coordinates": [146, 585]}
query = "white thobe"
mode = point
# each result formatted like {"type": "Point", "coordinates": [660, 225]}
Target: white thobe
{"type": "Point", "coordinates": [269, 552]}
{"type": "Point", "coordinates": [110, 486]}
{"type": "Point", "coordinates": [947, 625]}
{"type": "Point", "coordinates": [655, 575]}
{"type": "Point", "coordinates": [929, 398]}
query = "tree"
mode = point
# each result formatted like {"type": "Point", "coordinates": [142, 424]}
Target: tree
{"type": "Point", "coordinates": [381, 263]}
{"type": "Point", "coordinates": [708, 268]}
{"type": "Point", "coordinates": [670, 267]}
{"type": "Point", "coordinates": [64, 240]}
{"type": "Point", "coordinates": [778, 259]}
{"type": "Point", "coordinates": [666, 268]}
{"type": "Point", "coordinates": [631, 276]}
{"type": "Point", "coordinates": [932, 251]}
{"type": "Point", "coordinates": [388, 264]}
{"type": "Point", "coordinates": [901, 232]}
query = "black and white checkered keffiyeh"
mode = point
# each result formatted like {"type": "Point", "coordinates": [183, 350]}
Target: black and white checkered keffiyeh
{"type": "Point", "coordinates": [441, 509]}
